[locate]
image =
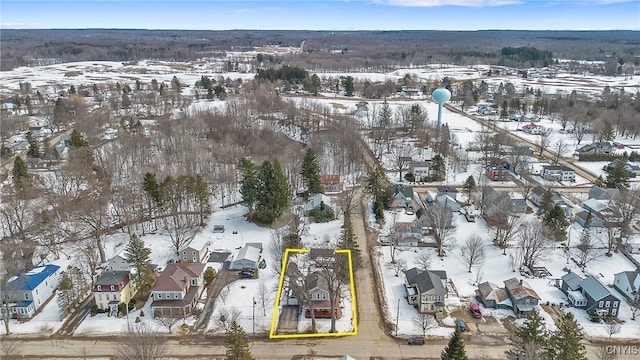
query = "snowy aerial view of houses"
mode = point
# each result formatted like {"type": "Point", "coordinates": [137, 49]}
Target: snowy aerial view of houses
{"type": "Point", "coordinates": [212, 200]}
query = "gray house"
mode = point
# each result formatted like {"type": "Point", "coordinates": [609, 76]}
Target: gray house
{"type": "Point", "coordinates": [447, 190]}
{"type": "Point", "coordinates": [599, 193]}
{"type": "Point", "coordinates": [426, 290]}
{"type": "Point", "coordinates": [602, 147]}
{"type": "Point", "coordinates": [402, 197]}
{"type": "Point", "coordinates": [492, 296]}
{"type": "Point", "coordinates": [628, 284]}
{"type": "Point", "coordinates": [537, 196]}
{"type": "Point", "coordinates": [523, 297]}
{"type": "Point", "coordinates": [494, 201]}
{"type": "Point", "coordinates": [589, 294]}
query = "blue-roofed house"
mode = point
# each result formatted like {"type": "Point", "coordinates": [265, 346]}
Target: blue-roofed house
{"type": "Point", "coordinates": [29, 291]}
{"type": "Point", "coordinates": [590, 294]}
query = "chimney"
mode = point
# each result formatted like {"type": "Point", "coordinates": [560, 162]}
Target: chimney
{"type": "Point", "coordinates": [520, 282]}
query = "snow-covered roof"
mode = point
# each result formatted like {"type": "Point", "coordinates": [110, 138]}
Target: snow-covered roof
{"type": "Point", "coordinates": [248, 253]}
{"type": "Point", "coordinates": [595, 205]}
{"type": "Point", "coordinates": [594, 288]}
{"type": "Point", "coordinates": [572, 280]}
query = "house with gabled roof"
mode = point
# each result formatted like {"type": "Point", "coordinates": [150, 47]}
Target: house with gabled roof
{"type": "Point", "coordinates": [401, 197]}
{"type": "Point", "coordinates": [247, 257]}
{"type": "Point", "coordinates": [177, 289]}
{"type": "Point", "coordinates": [494, 201]}
{"type": "Point", "coordinates": [331, 183]}
{"type": "Point", "coordinates": [426, 290]}
{"type": "Point", "coordinates": [196, 250]}
{"type": "Point", "coordinates": [523, 297]}
{"type": "Point", "coordinates": [112, 289]}
{"type": "Point", "coordinates": [118, 262]}
{"type": "Point", "coordinates": [601, 147]}
{"type": "Point", "coordinates": [318, 287]}
{"type": "Point", "coordinates": [599, 193]}
{"type": "Point", "coordinates": [590, 294]}
{"type": "Point", "coordinates": [27, 292]}
{"type": "Point", "coordinates": [492, 296]}
{"type": "Point", "coordinates": [628, 284]}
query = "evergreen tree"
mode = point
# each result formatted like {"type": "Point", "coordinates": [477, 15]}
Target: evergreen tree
{"type": "Point", "coordinates": [311, 172]}
{"type": "Point", "coordinates": [444, 145]}
{"type": "Point", "coordinates": [126, 101]}
{"type": "Point", "coordinates": [564, 343]}
{"type": "Point", "coordinates": [455, 348]}
{"type": "Point", "coordinates": [60, 113]}
{"type": "Point", "coordinates": [469, 186]}
{"type": "Point", "coordinates": [72, 90]}
{"type": "Point", "coordinates": [618, 175]}
{"type": "Point", "coordinates": [5, 152]}
{"type": "Point", "coordinates": [77, 140]}
{"type": "Point", "coordinates": [29, 104]}
{"type": "Point", "coordinates": [19, 172]}
{"type": "Point", "coordinates": [236, 343]}
{"type": "Point", "coordinates": [585, 245]}
{"type": "Point", "coordinates": [347, 83]}
{"type": "Point", "coordinates": [137, 254]}
{"type": "Point", "coordinates": [378, 186]}
{"type": "Point", "coordinates": [274, 192]}
{"type": "Point", "coordinates": [65, 296]}
{"type": "Point", "coordinates": [249, 187]}
{"type": "Point", "coordinates": [151, 186]}
{"type": "Point", "coordinates": [385, 115]}
{"type": "Point", "coordinates": [349, 240]}
{"type": "Point", "coordinates": [34, 149]}
{"type": "Point", "coordinates": [546, 203]}
{"type": "Point", "coordinates": [529, 340]}
{"type": "Point", "coordinates": [556, 221]}
{"type": "Point", "coordinates": [438, 168]}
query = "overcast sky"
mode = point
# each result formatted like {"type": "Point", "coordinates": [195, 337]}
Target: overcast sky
{"type": "Point", "coordinates": [325, 15]}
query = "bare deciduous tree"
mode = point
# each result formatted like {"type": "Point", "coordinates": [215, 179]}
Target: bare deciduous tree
{"type": "Point", "coordinates": [166, 321]}
{"type": "Point", "coordinates": [141, 343]}
{"type": "Point", "coordinates": [424, 322]}
{"type": "Point", "coordinates": [265, 297]}
{"type": "Point", "coordinates": [560, 148]}
{"type": "Point", "coordinates": [225, 317]}
{"type": "Point", "coordinates": [532, 244]}
{"type": "Point", "coordinates": [612, 327]}
{"type": "Point", "coordinates": [397, 266]}
{"type": "Point", "coordinates": [507, 227]}
{"type": "Point", "coordinates": [472, 252]}
{"type": "Point", "coordinates": [423, 261]}
{"type": "Point", "coordinates": [543, 141]}
{"type": "Point", "coordinates": [440, 219]}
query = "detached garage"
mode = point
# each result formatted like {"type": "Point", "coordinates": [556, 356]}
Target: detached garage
{"type": "Point", "coordinates": [247, 257]}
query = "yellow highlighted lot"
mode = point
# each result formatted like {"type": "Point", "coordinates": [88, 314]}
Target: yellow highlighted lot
{"type": "Point", "coordinates": [274, 319]}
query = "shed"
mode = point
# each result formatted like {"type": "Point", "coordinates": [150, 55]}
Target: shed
{"type": "Point", "coordinates": [247, 257]}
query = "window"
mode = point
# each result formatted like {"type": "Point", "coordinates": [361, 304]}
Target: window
{"type": "Point", "coordinates": [115, 297]}
{"type": "Point", "coordinates": [36, 291]}
{"type": "Point", "coordinates": [615, 304]}
{"type": "Point", "coordinates": [99, 288]}
{"type": "Point", "coordinates": [608, 304]}
{"type": "Point", "coordinates": [601, 304]}
{"type": "Point", "coordinates": [184, 252]}
{"type": "Point", "coordinates": [159, 295]}
{"type": "Point", "coordinates": [614, 311]}
{"type": "Point", "coordinates": [194, 259]}
{"type": "Point", "coordinates": [113, 288]}
{"type": "Point", "coordinates": [26, 296]}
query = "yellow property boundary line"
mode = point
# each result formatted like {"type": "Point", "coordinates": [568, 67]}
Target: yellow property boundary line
{"type": "Point", "coordinates": [274, 319]}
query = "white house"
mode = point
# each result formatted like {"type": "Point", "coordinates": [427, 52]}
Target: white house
{"type": "Point", "coordinates": [29, 291]}
{"type": "Point", "coordinates": [247, 257]}
{"type": "Point", "coordinates": [628, 284]}
{"type": "Point", "coordinates": [314, 202]}
{"type": "Point", "coordinates": [558, 173]}
{"type": "Point", "coordinates": [118, 263]}
{"type": "Point", "coordinates": [196, 250]}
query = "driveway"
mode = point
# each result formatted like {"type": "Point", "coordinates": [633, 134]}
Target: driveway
{"type": "Point", "coordinates": [288, 320]}
{"type": "Point", "coordinates": [223, 278]}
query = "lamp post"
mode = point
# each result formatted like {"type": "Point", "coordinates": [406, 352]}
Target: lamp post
{"type": "Point", "coordinates": [397, 317]}
{"type": "Point", "coordinates": [569, 243]}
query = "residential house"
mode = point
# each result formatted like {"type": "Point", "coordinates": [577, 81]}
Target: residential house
{"type": "Point", "coordinates": [599, 147]}
{"type": "Point", "coordinates": [112, 289]}
{"type": "Point", "coordinates": [596, 220]}
{"type": "Point", "coordinates": [533, 129]}
{"type": "Point", "coordinates": [632, 168]}
{"type": "Point", "coordinates": [420, 169]}
{"type": "Point", "coordinates": [492, 296]}
{"type": "Point", "coordinates": [589, 294]}
{"type": "Point", "coordinates": [498, 172]}
{"type": "Point", "coordinates": [315, 201]}
{"type": "Point", "coordinates": [449, 202]}
{"type": "Point", "coordinates": [28, 292]}
{"type": "Point", "coordinates": [537, 196]}
{"type": "Point", "coordinates": [599, 193]}
{"type": "Point", "coordinates": [601, 214]}
{"type": "Point", "coordinates": [520, 149]}
{"type": "Point", "coordinates": [118, 262]}
{"type": "Point", "coordinates": [177, 289]}
{"type": "Point", "coordinates": [318, 287]}
{"type": "Point", "coordinates": [331, 183]}
{"type": "Point", "coordinates": [557, 173]}
{"type": "Point", "coordinates": [426, 290]}
{"type": "Point", "coordinates": [402, 197]}
{"type": "Point", "coordinates": [523, 297]}
{"type": "Point", "coordinates": [633, 246]}
{"type": "Point", "coordinates": [36, 131]}
{"type": "Point", "coordinates": [247, 257]}
{"type": "Point", "coordinates": [196, 250]}
{"type": "Point", "coordinates": [628, 284]}
{"type": "Point", "coordinates": [494, 201]}
{"type": "Point", "coordinates": [407, 232]}
{"type": "Point", "coordinates": [447, 190]}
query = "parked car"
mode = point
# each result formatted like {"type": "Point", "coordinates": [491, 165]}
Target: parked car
{"type": "Point", "coordinates": [475, 310]}
{"type": "Point", "coordinates": [461, 325]}
{"type": "Point", "coordinates": [416, 340]}
{"type": "Point", "coordinates": [246, 274]}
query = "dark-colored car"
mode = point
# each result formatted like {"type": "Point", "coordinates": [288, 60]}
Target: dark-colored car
{"type": "Point", "coordinates": [246, 274]}
{"type": "Point", "coordinates": [416, 340]}
{"type": "Point", "coordinates": [461, 325]}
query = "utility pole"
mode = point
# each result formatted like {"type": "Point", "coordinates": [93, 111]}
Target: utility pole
{"type": "Point", "coordinates": [254, 315]}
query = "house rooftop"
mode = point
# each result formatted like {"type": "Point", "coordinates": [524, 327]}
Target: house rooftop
{"type": "Point", "coordinates": [572, 280]}
{"type": "Point", "coordinates": [112, 277]}
{"type": "Point", "coordinates": [32, 278]}
{"type": "Point", "coordinates": [446, 189]}
{"type": "Point", "coordinates": [557, 167]}
{"type": "Point", "coordinates": [174, 275]}
{"type": "Point", "coordinates": [594, 288]}
{"type": "Point", "coordinates": [316, 280]}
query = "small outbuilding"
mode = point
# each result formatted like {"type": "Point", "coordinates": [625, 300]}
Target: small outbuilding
{"type": "Point", "coordinates": [247, 257]}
